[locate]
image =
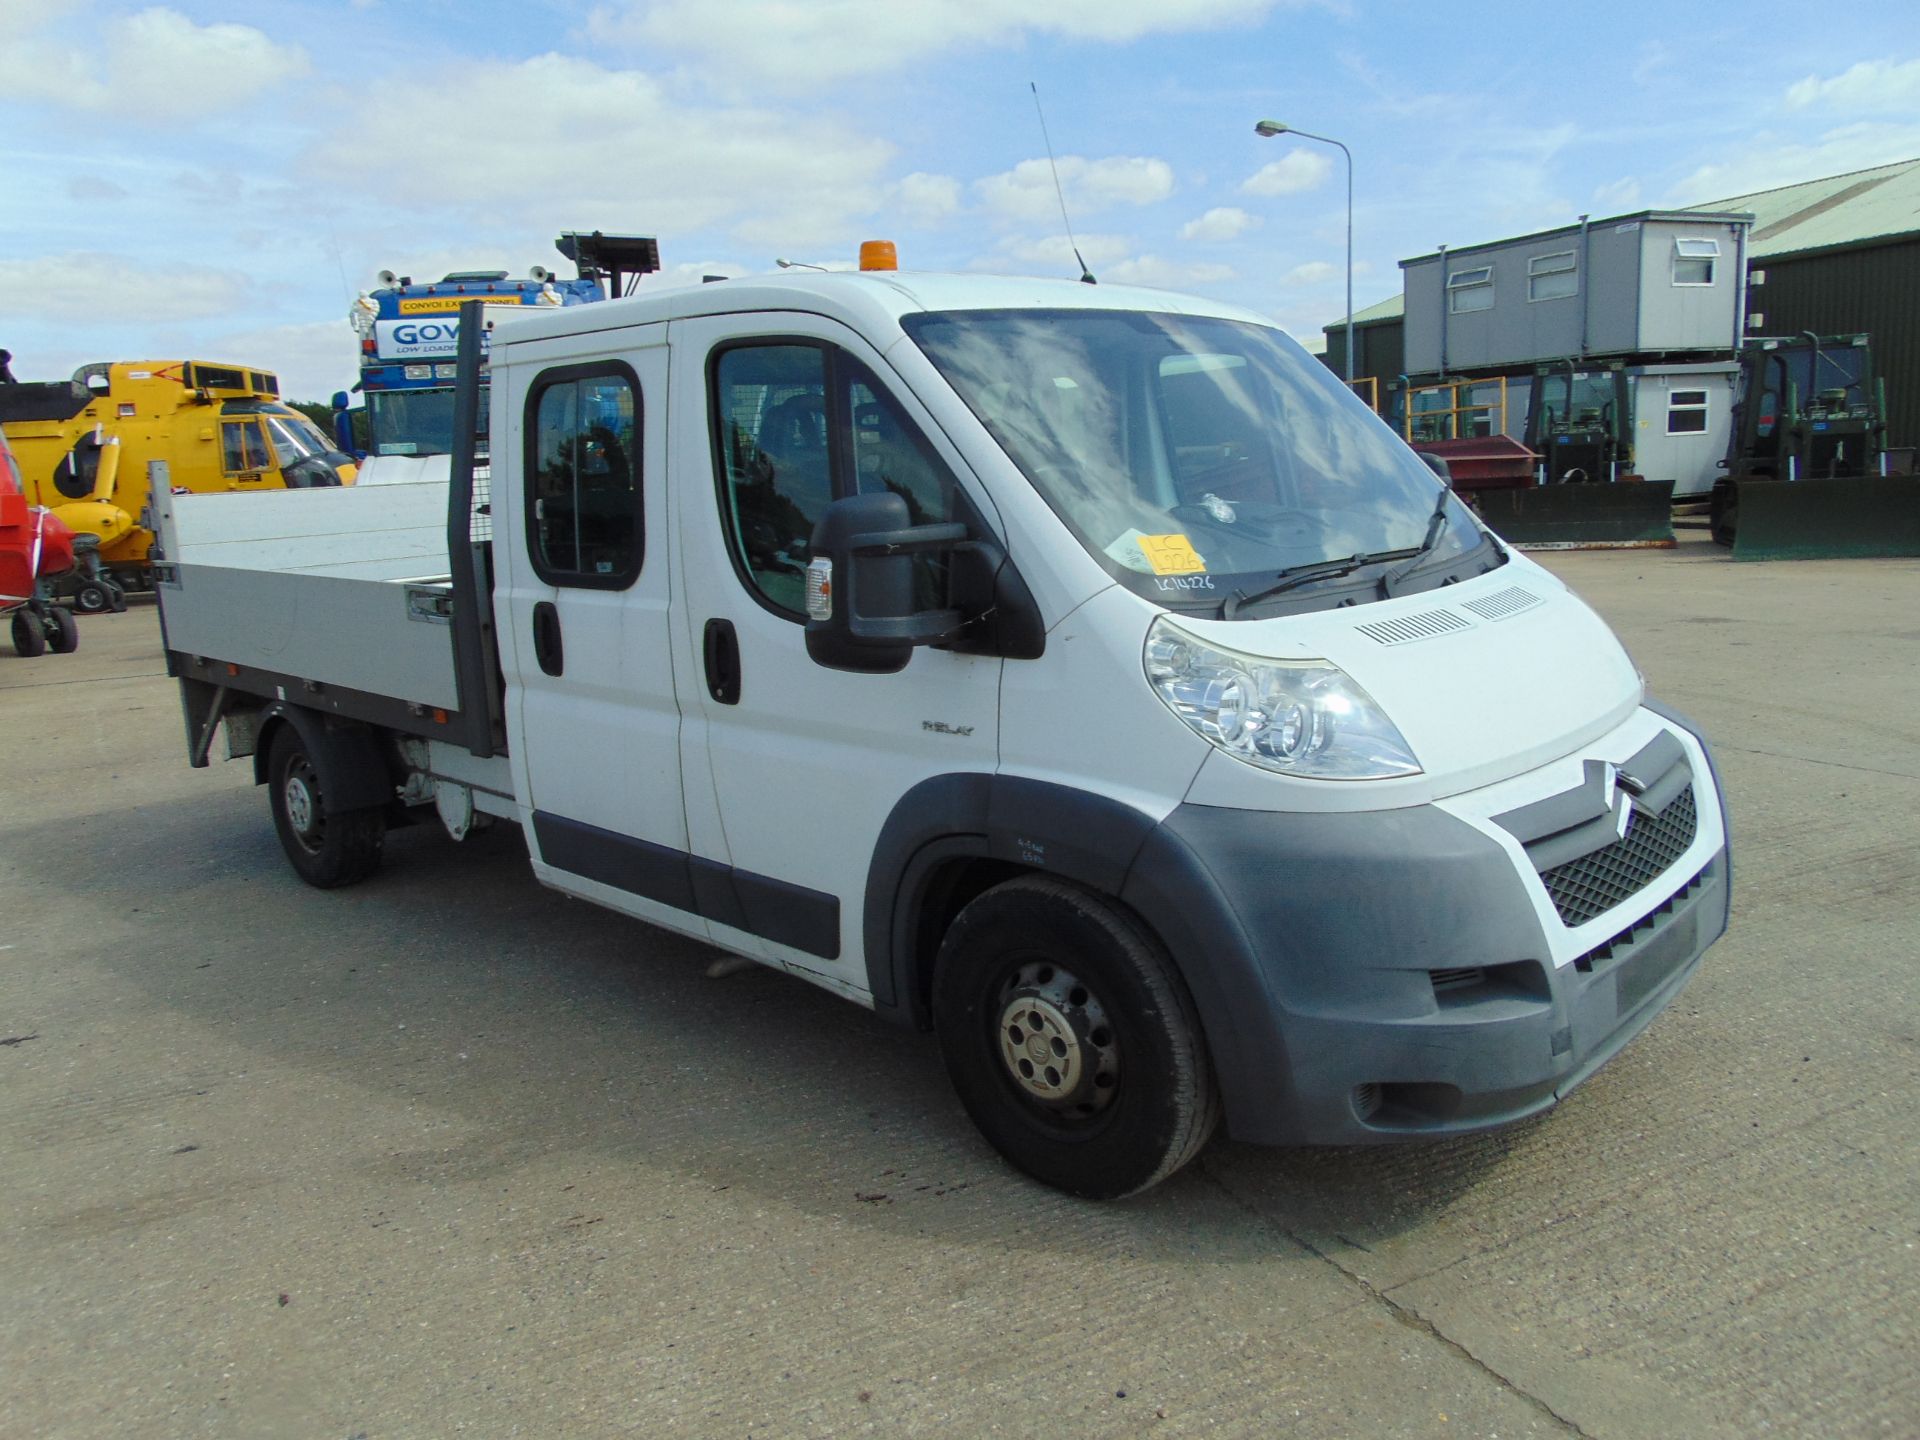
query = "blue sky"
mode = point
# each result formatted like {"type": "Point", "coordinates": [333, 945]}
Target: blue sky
{"type": "Point", "coordinates": [222, 180]}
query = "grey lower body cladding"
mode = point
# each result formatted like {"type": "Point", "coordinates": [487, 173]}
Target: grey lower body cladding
{"type": "Point", "coordinates": [1380, 976]}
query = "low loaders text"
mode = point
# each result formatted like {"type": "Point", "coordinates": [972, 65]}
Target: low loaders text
{"type": "Point", "coordinates": [1083, 674]}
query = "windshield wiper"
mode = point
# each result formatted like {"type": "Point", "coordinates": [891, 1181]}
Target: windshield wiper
{"type": "Point", "coordinates": [1294, 576]}
{"type": "Point", "coordinates": [1435, 525]}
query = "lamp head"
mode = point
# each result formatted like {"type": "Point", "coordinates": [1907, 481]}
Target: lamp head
{"type": "Point", "coordinates": [1270, 128]}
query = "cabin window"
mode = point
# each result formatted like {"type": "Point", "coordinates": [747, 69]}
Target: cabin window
{"type": "Point", "coordinates": [584, 499]}
{"type": "Point", "coordinates": [1469, 290]}
{"type": "Point", "coordinates": [1686, 412]}
{"type": "Point", "coordinates": [1552, 277]}
{"type": "Point", "coordinates": [243, 449]}
{"type": "Point", "coordinates": [1693, 261]}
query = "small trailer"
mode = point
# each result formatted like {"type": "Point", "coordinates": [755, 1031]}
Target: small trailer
{"type": "Point", "coordinates": [1082, 674]}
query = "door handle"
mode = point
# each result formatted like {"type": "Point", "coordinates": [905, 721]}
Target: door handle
{"type": "Point", "coordinates": [547, 646]}
{"type": "Point", "coordinates": [721, 648]}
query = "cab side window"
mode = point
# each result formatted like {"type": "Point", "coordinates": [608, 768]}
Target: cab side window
{"type": "Point", "coordinates": [583, 500]}
{"type": "Point", "coordinates": [243, 449]}
{"type": "Point", "coordinates": [799, 425]}
{"type": "Point", "coordinates": [776, 477]}
{"type": "Point", "coordinates": [888, 452]}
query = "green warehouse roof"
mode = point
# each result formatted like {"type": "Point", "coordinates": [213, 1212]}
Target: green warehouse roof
{"type": "Point", "coordinates": [1835, 211]}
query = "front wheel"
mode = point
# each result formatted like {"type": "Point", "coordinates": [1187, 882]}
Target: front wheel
{"type": "Point", "coordinates": [29, 635]}
{"type": "Point", "coordinates": [1072, 1040]}
{"type": "Point", "coordinates": [327, 846]}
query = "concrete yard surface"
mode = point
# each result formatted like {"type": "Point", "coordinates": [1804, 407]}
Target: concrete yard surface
{"type": "Point", "coordinates": [447, 1154]}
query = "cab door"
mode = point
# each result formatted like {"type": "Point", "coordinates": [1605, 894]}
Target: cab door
{"type": "Point", "coordinates": [794, 768]}
{"type": "Point", "coordinates": [583, 604]}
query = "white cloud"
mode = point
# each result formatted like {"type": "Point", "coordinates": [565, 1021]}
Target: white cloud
{"type": "Point", "coordinates": [312, 360]}
{"type": "Point", "coordinates": [1618, 195]}
{"type": "Point", "coordinates": [1311, 273]}
{"type": "Point", "coordinates": [87, 189]}
{"type": "Point", "coordinates": [1292, 173]}
{"type": "Point", "coordinates": [1112, 259]}
{"type": "Point", "coordinates": [1167, 274]}
{"type": "Point", "coordinates": [809, 44]}
{"type": "Point", "coordinates": [100, 291]}
{"type": "Point", "coordinates": [156, 64]}
{"type": "Point", "coordinates": [1873, 86]}
{"type": "Point", "coordinates": [565, 137]}
{"type": "Point", "coordinates": [1053, 254]}
{"type": "Point", "coordinates": [1223, 222]}
{"type": "Point", "coordinates": [925, 200]}
{"type": "Point", "coordinates": [1027, 193]}
{"type": "Point", "coordinates": [1772, 159]}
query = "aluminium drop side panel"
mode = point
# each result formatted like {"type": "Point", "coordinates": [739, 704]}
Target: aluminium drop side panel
{"type": "Point", "coordinates": [314, 583]}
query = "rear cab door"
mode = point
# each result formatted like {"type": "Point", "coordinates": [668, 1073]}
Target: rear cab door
{"type": "Point", "coordinates": [583, 586]}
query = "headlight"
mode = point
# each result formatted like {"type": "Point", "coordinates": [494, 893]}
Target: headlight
{"type": "Point", "coordinates": [1299, 717]}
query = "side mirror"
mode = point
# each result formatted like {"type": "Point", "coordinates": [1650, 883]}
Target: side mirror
{"type": "Point", "coordinates": [340, 400]}
{"type": "Point", "coordinates": [860, 613]}
{"type": "Point", "coordinates": [1438, 466]}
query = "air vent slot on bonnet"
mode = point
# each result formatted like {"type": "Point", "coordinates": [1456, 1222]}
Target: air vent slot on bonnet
{"type": "Point", "coordinates": [1502, 603]}
{"type": "Point", "coordinates": [1407, 628]}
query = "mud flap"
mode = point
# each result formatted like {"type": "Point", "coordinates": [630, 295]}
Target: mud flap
{"type": "Point", "coordinates": [1858, 518]}
{"type": "Point", "coordinates": [1576, 517]}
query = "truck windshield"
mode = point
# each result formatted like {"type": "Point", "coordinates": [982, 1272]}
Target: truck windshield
{"type": "Point", "coordinates": [416, 422]}
{"type": "Point", "coordinates": [1198, 459]}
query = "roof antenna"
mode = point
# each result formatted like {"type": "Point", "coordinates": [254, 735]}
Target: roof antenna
{"type": "Point", "coordinates": [1086, 275]}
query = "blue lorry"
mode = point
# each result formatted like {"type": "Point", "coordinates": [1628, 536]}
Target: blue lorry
{"type": "Point", "coordinates": [408, 331]}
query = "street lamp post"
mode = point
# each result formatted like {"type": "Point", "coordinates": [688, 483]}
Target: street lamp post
{"type": "Point", "coordinates": [1270, 128]}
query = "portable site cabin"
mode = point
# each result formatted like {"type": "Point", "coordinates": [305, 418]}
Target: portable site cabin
{"type": "Point", "coordinates": [1657, 292]}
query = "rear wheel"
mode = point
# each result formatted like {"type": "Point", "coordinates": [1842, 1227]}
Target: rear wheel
{"type": "Point", "coordinates": [29, 636]}
{"type": "Point", "coordinates": [327, 846]}
{"type": "Point", "coordinates": [1071, 1039]}
{"type": "Point", "coordinates": [63, 631]}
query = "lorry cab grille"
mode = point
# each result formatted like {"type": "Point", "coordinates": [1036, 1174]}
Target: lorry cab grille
{"type": "Point", "coordinates": [1595, 883]}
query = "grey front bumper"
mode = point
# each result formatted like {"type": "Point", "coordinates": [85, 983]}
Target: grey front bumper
{"type": "Point", "coordinates": [1384, 975]}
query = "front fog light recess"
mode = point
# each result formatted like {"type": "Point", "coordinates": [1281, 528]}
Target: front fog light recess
{"type": "Point", "coordinates": [1297, 717]}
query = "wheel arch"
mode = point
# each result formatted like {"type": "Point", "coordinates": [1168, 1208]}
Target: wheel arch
{"type": "Point", "coordinates": [953, 837]}
{"type": "Point", "coordinates": [347, 751]}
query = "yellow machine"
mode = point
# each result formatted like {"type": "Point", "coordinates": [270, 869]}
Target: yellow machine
{"type": "Point", "coordinates": [84, 445]}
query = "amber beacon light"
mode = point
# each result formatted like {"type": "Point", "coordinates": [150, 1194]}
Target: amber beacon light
{"type": "Point", "coordinates": [878, 255]}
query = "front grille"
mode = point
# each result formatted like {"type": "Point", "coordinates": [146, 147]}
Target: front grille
{"type": "Point", "coordinates": [1594, 884]}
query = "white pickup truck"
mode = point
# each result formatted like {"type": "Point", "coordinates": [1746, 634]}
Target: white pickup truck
{"type": "Point", "coordinates": [1080, 673]}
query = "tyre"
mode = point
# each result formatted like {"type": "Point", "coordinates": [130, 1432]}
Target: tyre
{"type": "Point", "coordinates": [1071, 1040]}
{"type": "Point", "coordinates": [1723, 512]}
{"type": "Point", "coordinates": [29, 636]}
{"type": "Point", "coordinates": [116, 599]}
{"type": "Point", "coordinates": [93, 598]}
{"type": "Point", "coordinates": [63, 630]}
{"type": "Point", "coordinates": [327, 847]}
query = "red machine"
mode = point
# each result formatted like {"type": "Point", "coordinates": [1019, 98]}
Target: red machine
{"type": "Point", "coordinates": [34, 545]}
